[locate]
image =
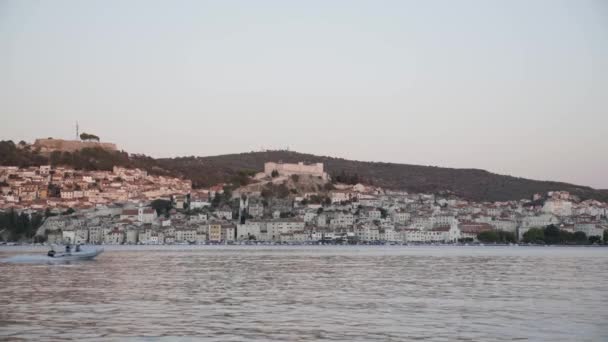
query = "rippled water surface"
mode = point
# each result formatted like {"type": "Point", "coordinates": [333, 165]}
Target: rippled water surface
{"type": "Point", "coordinates": [311, 293]}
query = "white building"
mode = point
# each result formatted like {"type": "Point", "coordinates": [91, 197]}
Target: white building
{"type": "Point", "coordinates": [388, 235]}
{"type": "Point", "coordinates": [367, 233]}
{"type": "Point", "coordinates": [256, 210]}
{"type": "Point", "coordinates": [69, 236]}
{"type": "Point", "coordinates": [95, 235]}
{"type": "Point", "coordinates": [223, 214]}
{"type": "Point", "coordinates": [372, 214]}
{"type": "Point", "coordinates": [337, 196]}
{"type": "Point", "coordinates": [228, 232]}
{"type": "Point", "coordinates": [114, 237]}
{"type": "Point", "coordinates": [400, 216]}
{"type": "Point", "coordinates": [310, 216]}
{"type": "Point", "coordinates": [146, 215]}
{"type": "Point", "coordinates": [185, 235]}
{"type": "Point", "coordinates": [81, 236]}
{"type": "Point", "coordinates": [558, 207]}
{"type": "Point", "coordinates": [422, 236]}
{"type": "Point", "coordinates": [249, 230]}
{"type": "Point", "coordinates": [131, 236]}
{"type": "Point", "coordinates": [590, 229]}
{"type": "Point", "coordinates": [277, 227]}
{"type": "Point", "coordinates": [342, 220]}
{"type": "Point", "coordinates": [504, 225]}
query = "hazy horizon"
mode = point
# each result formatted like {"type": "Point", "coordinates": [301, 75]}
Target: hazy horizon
{"type": "Point", "coordinates": [513, 87]}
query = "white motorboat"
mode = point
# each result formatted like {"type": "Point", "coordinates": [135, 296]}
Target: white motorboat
{"type": "Point", "coordinates": [83, 254]}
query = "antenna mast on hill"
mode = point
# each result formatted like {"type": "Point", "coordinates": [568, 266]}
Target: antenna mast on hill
{"type": "Point", "coordinates": [77, 130]}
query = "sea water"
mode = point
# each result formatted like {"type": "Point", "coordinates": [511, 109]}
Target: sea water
{"type": "Point", "coordinates": [308, 293]}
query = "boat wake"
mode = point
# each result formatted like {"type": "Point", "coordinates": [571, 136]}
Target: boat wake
{"type": "Point", "coordinates": [32, 259]}
{"type": "Point", "coordinates": [60, 258]}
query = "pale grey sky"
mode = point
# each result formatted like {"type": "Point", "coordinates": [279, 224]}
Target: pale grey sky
{"type": "Point", "coordinates": [514, 87]}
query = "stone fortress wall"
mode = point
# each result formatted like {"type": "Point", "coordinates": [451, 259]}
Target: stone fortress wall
{"type": "Point", "coordinates": [285, 169]}
{"type": "Point", "coordinates": [51, 145]}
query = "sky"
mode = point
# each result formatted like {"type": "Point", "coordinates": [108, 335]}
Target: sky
{"type": "Point", "coordinates": [514, 87]}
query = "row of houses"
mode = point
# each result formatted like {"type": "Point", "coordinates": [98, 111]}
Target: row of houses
{"type": "Point", "coordinates": [214, 232]}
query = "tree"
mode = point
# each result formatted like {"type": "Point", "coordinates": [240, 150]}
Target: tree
{"type": "Point", "coordinates": [488, 236]}
{"type": "Point", "coordinates": [605, 236]}
{"type": "Point", "coordinates": [347, 178]}
{"type": "Point", "coordinates": [383, 213]}
{"type": "Point", "coordinates": [88, 137]}
{"type": "Point", "coordinates": [494, 236]}
{"type": "Point", "coordinates": [315, 199]}
{"type": "Point", "coordinates": [595, 239]}
{"type": "Point", "coordinates": [565, 237]}
{"type": "Point", "coordinates": [227, 193]}
{"type": "Point", "coordinates": [242, 177]}
{"type": "Point", "coordinates": [552, 235]}
{"type": "Point", "coordinates": [70, 211]}
{"type": "Point", "coordinates": [282, 191]}
{"type": "Point", "coordinates": [507, 237]}
{"type": "Point", "coordinates": [161, 206]}
{"type": "Point", "coordinates": [216, 201]}
{"type": "Point", "coordinates": [266, 193]}
{"type": "Point", "coordinates": [20, 226]}
{"type": "Point", "coordinates": [580, 238]}
{"type": "Point", "coordinates": [534, 235]}
{"type": "Point", "coordinates": [274, 174]}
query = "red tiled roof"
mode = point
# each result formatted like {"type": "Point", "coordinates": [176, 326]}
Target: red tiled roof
{"type": "Point", "coordinates": [474, 228]}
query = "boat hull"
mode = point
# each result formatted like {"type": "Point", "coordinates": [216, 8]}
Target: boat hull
{"type": "Point", "coordinates": [75, 256]}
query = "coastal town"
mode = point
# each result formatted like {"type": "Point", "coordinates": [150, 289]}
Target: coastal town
{"type": "Point", "coordinates": [130, 206]}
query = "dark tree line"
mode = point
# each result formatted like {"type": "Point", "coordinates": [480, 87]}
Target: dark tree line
{"type": "Point", "coordinates": [348, 178]}
{"type": "Point", "coordinates": [15, 226]}
{"type": "Point", "coordinates": [552, 235]}
{"type": "Point", "coordinates": [496, 236]}
{"type": "Point", "coordinates": [242, 177]}
{"type": "Point", "coordinates": [11, 155]}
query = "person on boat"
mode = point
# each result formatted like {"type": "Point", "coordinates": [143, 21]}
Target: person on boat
{"type": "Point", "coordinates": [78, 248]}
{"type": "Point", "coordinates": [68, 248]}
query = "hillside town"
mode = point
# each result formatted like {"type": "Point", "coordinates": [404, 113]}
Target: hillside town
{"type": "Point", "coordinates": [284, 204]}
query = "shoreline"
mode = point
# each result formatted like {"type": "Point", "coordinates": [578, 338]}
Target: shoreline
{"type": "Point", "coordinates": [177, 247]}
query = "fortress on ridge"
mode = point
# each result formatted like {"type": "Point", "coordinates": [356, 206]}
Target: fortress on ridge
{"type": "Point", "coordinates": [51, 145]}
{"type": "Point", "coordinates": [300, 168]}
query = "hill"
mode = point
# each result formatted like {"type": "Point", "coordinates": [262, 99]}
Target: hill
{"type": "Point", "coordinates": [89, 158]}
{"type": "Point", "coordinates": [474, 184]}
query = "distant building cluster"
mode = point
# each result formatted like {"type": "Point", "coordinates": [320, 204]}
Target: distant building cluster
{"type": "Point", "coordinates": [44, 187]}
{"type": "Point", "coordinates": [117, 208]}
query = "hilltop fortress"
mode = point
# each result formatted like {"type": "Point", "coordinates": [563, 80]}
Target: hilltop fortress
{"type": "Point", "coordinates": [51, 145]}
{"type": "Point", "coordinates": [285, 169]}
